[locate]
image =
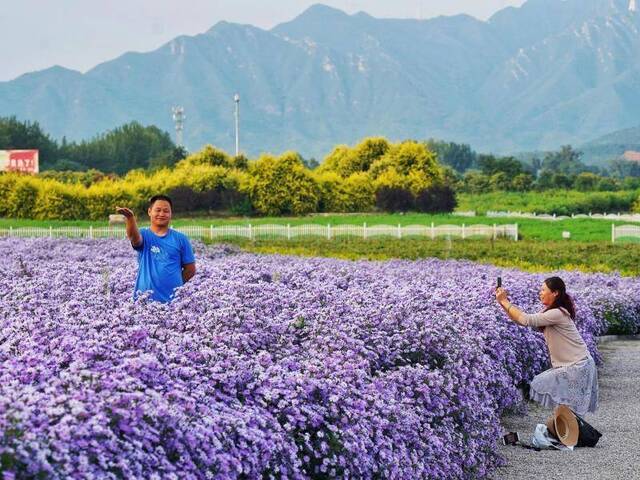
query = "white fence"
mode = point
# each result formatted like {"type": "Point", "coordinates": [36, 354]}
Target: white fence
{"type": "Point", "coordinates": [64, 232]}
{"type": "Point", "coordinates": [627, 217]}
{"type": "Point", "coordinates": [289, 232]}
{"type": "Point", "coordinates": [624, 231]}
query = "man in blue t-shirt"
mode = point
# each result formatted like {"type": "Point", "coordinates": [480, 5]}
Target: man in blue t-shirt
{"type": "Point", "coordinates": [165, 257]}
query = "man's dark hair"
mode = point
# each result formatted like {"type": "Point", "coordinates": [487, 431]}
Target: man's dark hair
{"type": "Point", "coordinates": [155, 198]}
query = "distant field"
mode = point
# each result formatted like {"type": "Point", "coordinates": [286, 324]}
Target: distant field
{"type": "Point", "coordinates": [583, 230]}
{"type": "Point", "coordinates": [541, 247]}
{"type": "Point", "coordinates": [528, 255]}
{"type": "Point", "coordinates": [561, 202]}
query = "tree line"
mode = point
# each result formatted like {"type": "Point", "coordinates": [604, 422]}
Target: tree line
{"type": "Point", "coordinates": [373, 175]}
{"type": "Point", "coordinates": [117, 151]}
{"type": "Point", "coordinates": [130, 163]}
{"type": "Point", "coordinates": [563, 169]}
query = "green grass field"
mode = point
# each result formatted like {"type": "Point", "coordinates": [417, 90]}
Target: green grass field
{"type": "Point", "coordinates": [582, 230]}
{"type": "Point", "coordinates": [541, 247]}
{"type": "Point", "coordinates": [559, 201]}
{"type": "Point", "coordinates": [529, 255]}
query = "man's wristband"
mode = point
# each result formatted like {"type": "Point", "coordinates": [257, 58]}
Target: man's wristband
{"type": "Point", "coordinates": [509, 307]}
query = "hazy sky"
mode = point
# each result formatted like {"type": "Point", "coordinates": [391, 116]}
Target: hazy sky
{"type": "Point", "coordinates": [79, 34]}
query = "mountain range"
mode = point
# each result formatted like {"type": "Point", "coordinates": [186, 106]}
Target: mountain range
{"type": "Point", "coordinates": [611, 146]}
{"type": "Point", "coordinates": [548, 73]}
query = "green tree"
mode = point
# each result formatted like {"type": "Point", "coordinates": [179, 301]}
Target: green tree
{"type": "Point", "coordinates": [476, 182]}
{"type": "Point", "coordinates": [66, 165]}
{"type": "Point", "coordinates": [566, 161]}
{"type": "Point", "coordinates": [336, 161]}
{"type": "Point", "coordinates": [124, 148]}
{"type": "Point", "coordinates": [282, 186]}
{"type": "Point", "coordinates": [451, 178]}
{"type": "Point", "coordinates": [630, 183]}
{"type": "Point", "coordinates": [59, 201]}
{"type": "Point", "coordinates": [209, 155]}
{"type": "Point", "coordinates": [167, 158]}
{"type": "Point", "coordinates": [500, 182]}
{"type": "Point", "coordinates": [561, 180]}
{"type": "Point", "coordinates": [621, 168]}
{"type": "Point", "coordinates": [522, 182]}
{"type": "Point", "coordinates": [368, 151]}
{"type": "Point", "coordinates": [22, 198]}
{"type": "Point", "coordinates": [586, 182]}
{"type": "Point", "coordinates": [415, 166]}
{"type": "Point", "coordinates": [490, 165]}
{"type": "Point", "coordinates": [346, 161]}
{"type": "Point", "coordinates": [310, 163]}
{"type": "Point", "coordinates": [607, 184]}
{"type": "Point", "coordinates": [458, 156]}
{"type": "Point", "coordinates": [437, 199]}
{"type": "Point", "coordinates": [353, 194]}
{"type": "Point", "coordinates": [16, 135]}
{"type": "Point", "coordinates": [241, 162]}
{"type": "Point", "coordinates": [7, 184]}
{"type": "Point", "coordinates": [544, 180]}
{"type": "Point", "coordinates": [536, 166]}
{"type": "Point", "coordinates": [360, 193]}
{"type": "Point", "coordinates": [394, 199]}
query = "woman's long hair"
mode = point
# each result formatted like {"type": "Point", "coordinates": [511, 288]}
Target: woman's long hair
{"type": "Point", "coordinates": [555, 284]}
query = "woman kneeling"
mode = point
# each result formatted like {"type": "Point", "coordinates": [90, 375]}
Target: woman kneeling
{"type": "Point", "coordinates": [573, 378]}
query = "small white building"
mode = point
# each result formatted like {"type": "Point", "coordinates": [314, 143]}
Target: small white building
{"type": "Point", "coordinates": [631, 156]}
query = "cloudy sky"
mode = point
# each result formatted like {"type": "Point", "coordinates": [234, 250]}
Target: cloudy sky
{"type": "Point", "coordinates": [79, 34]}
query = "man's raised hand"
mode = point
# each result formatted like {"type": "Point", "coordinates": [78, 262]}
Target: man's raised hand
{"type": "Point", "coordinates": [133, 234]}
{"type": "Point", "coordinates": [125, 211]}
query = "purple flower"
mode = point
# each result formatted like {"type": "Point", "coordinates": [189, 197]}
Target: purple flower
{"type": "Point", "coordinates": [267, 366]}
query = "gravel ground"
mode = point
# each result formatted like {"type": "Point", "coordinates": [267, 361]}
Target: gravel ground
{"type": "Point", "coordinates": [617, 455]}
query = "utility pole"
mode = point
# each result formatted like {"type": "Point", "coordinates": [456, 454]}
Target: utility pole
{"type": "Point", "coordinates": [178, 118]}
{"type": "Point", "coordinates": [236, 99]}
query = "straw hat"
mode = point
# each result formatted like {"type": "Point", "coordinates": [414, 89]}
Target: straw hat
{"type": "Point", "coordinates": [564, 426]}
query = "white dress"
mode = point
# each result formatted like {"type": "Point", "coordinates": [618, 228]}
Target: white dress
{"type": "Point", "coordinates": [573, 380]}
{"type": "Point", "coordinates": [575, 386]}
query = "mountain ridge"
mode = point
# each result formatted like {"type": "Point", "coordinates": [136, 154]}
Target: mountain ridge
{"type": "Point", "coordinates": [327, 77]}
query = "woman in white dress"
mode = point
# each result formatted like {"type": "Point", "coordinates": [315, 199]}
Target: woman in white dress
{"type": "Point", "coordinates": [573, 378]}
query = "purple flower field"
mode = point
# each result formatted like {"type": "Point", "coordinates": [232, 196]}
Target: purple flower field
{"type": "Point", "coordinates": [266, 366]}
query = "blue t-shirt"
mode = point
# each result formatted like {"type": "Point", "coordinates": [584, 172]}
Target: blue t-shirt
{"type": "Point", "coordinates": [160, 262]}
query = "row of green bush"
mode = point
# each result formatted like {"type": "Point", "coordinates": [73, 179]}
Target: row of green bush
{"type": "Point", "coordinates": [478, 182]}
{"type": "Point", "coordinates": [373, 174]}
{"type": "Point", "coordinates": [559, 202]}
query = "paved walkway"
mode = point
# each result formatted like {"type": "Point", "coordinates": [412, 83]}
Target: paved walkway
{"type": "Point", "coordinates": [617, 455]}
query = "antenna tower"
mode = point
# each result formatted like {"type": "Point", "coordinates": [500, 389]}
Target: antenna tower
{"type": "Point", "coordinates": [236, 99]}
{"type": "Point", "coordinates": [178, 118]}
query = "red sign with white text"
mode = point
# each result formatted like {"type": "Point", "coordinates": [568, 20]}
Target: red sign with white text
{"type": "Point", "coordinates": [25, 161]}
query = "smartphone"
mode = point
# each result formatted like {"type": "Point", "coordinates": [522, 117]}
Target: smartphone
{"type": "Point", "coordinates": [499, 282]}
{"type": "Point", "coordinates": [511, 438]}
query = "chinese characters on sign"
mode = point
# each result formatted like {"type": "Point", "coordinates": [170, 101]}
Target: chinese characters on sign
{"type": "Point", "coordinates": [19, 161]}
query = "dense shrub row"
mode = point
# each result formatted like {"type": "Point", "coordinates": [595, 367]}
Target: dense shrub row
{"type": "Point", "coordinates": [560, 202]}
{"type": "Point", "coordinates": [350, 181]}
{"type": "Point", "coordinates": [477, 182]}
{"type": "Point", "coordinates": [439, 198]}
{"type": "Point", "coordinates": [373, 175]}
